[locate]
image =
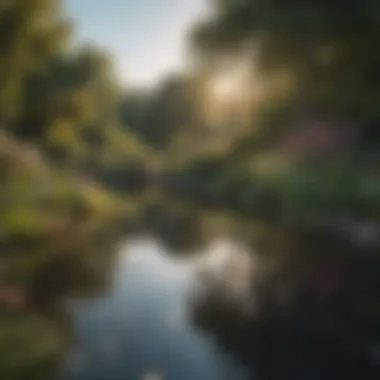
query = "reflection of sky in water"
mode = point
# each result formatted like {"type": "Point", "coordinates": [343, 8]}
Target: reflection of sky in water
{"type": "Point", "coordinates": [141, 327]}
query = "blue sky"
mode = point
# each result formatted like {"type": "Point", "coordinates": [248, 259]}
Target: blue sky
{"type": "Point", "coordinates": [147, 36]}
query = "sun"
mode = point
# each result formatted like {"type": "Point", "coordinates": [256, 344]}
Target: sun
{"type": "Point", "coordinates": [229, 91]}
{"type": "Point", "coordinates": [225, 87]}
{"type": "Point", "coordinates": [228, 85]}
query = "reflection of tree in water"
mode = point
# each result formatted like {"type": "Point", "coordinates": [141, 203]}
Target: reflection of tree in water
{"type": "Point", "coordinates": [32, 344]}
{"type": "Point", "coordinates": [277, 351]}
{"type": "Point", "coordinates": [177, 226]}
{"type": "Point", "coordinates": [35, 338]}
{"type": "Point", "coordinates": [184, 226]}
{"type": "Point", "coordinates": [303, 344]}
{"type": "Point", "coordinates": [77, 274]}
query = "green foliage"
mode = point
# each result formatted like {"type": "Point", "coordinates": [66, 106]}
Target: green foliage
{"type": "Point", "coordinates": [328, 50]}
{"type": "Point", "coordinates": [329, 45]}
{"type": "Point", "coordinates": [32, 32]}
{"type": "Point", "coordinates": [71, 94]}
{"type": "Point", "coordinates": [30, 346]}
{"type": "Point", "coordinates": [157, 116]}
{"type": "Point", "coordinates": [63, 102]}
{"type": "Point", "coordinates": [63, 98]}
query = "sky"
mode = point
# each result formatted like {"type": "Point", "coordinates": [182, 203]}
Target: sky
{"type": "Point", "coordinates": [148, 37]}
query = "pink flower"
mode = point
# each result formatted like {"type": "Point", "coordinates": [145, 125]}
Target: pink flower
{"type": "Point", "coordinates": [316, 138]}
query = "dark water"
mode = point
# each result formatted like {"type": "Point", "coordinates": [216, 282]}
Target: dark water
{"type": "Point", "coordinates": [142, 326]}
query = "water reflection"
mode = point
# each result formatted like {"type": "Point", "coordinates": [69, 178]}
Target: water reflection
{"type": "Point", "coordinates": [147, 312]}
{"type": "Point", "coordinates": [142, 326]}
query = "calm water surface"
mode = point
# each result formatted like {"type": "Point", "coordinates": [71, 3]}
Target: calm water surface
{"type": "Point", "coordinates": [141, 326]}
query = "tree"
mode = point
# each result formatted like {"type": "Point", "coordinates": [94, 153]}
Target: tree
{"type": "Point", "coordinates": [329, 45]}
{"type": "Point", "coordinates": [157, 116]}
{"type": "Point", "coordinates": [78, 89]}
{"type": "Point", "coordinates": [325, 52]}
{"type": "Point", "coordinates": [61, 97]}
{"type": "Point", "coordinates": [32, 31]}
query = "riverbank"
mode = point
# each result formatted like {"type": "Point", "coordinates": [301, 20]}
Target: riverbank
{"type": "Point", "coordinates": [56, 234]}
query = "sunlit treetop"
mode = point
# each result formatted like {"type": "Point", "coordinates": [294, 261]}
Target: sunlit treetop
{"type": "Point", "coordinates": [331, 44]}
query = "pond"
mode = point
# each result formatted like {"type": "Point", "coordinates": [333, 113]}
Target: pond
{"type": "Point", "coordinates": [132, 308]}
{"type": "Point", "coordinates": [141, 329]}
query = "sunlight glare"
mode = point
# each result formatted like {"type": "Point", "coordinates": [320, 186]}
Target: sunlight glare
{"type": "Point", "coordinates": [227, 86]}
